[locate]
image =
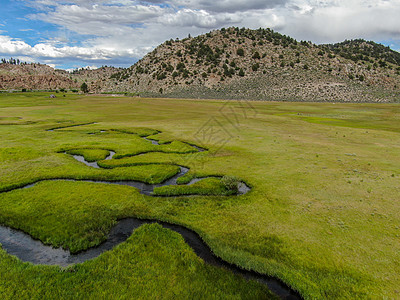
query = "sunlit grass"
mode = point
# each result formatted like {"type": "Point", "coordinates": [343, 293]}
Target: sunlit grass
{"type": "Point", "coordinates": [90, 155]}
{"type": "Point", "coordinates": [322, 213]}
{"type": "Point", "coordinates": [154, 263]}
{"type": "Point", "coordinates": [207, 186]}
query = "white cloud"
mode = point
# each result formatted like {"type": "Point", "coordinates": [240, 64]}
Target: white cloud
{"type": "Point", "coordinates": [197, 18]}
{"type": "Point", "coordinates": [66, 15]}
{"type": "Point", "coordinates": [9, 46]}
{"type": "Point", "coordinates": [125, 30]}
{"type": "Point", "coordinates": [230, 6]}
{"type": "Point", "coordinates": [12, 47]}
{"type": "Point", "coordinates": [338, 20]}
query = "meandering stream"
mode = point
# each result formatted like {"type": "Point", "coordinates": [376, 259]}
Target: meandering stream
{"type": "Point", "coordinates": [27, 249]}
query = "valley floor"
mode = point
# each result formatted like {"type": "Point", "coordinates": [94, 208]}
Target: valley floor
{"type": "Point", "coordinates": [322, 214]}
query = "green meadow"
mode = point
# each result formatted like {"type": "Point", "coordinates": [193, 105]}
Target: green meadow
{"type": "Point", "coordinates": [322, 214]}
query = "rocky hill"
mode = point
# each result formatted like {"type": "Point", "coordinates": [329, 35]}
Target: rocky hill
{"type": "Point", "coordinates": [263, 64]}
{"type": "Point", "coordinates": [367, 51]}
{"type": "Point", "coordinates": [238, 63]}
{"type": "Point", "coordinates": [97, 79]}
{"type": "Point", "coordinates": [33, 76]}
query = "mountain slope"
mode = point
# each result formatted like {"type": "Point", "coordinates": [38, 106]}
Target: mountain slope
{"type": "Point", "coordinates": [367, 51]}
{"type": "Point", "coordinates": [33, 76]}
{"type": "Point", "coordinates": [261, 64]}
{"type": "Point", "coordinates": [17, 76]}
{"type": "Point", "coordinates": [236, 63]}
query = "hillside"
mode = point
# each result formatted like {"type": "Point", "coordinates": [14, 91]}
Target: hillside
{"type": "Point", "coordinates": [237, 63]}
{"type": "Point", "coordinates": [367, 51]}
{"type": "Point", "coordinates": [263, 64]}
{"type": "Point", "coordinates": [33, 76]}
{"type": "Point", "coordinates": [96, 79]}
{"type": "Point", "coordinates": [17, 76]}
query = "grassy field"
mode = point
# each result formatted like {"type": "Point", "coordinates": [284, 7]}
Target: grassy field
{"type": "Point", "coordinates": [322, 214]}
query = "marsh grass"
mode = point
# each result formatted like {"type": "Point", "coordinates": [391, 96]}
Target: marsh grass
{"type": "Point", "coordinates": [90, 155]}
{"type": "Point", "coordinates": [149, 173]}
{"type": "Point", "coordinates": [207, 186]}
{"type": "Point", "coordinates": [140, 131]}
{"type": "Point", "coordinates": [78, 221]}
{"type": "Point", "coordinates": [324, 222]}
{"type": "Point", "coordinates": [153, 263]}
{"type": "Point", "coordinates": [152, 157]}
{"type": "Point", "coordinates": [173, 147]}
{"type": "Point", "coordinates": [231, 183]}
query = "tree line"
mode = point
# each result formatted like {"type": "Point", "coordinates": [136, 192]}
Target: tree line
{"type": "Point", "coordinates": [12, 61]}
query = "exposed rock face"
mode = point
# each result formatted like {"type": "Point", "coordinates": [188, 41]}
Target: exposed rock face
{"type": "Point", "coordinates": [43, 77]}
{"type": "Point", "coordinates": [33, 76]}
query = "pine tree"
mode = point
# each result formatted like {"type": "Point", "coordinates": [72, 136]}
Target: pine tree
{"type": "Point", "coordinates": [84, 88]}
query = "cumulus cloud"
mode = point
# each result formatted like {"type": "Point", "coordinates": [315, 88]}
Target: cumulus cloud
{"type": "Point", "coordinates": [197, 18]}
{"type": "Point", "coordinates": [229, 5]}
{"type": "Point", "coordinates": [12, 47]}
{"type": "Point", "coordinates": [48, 52]}
{"type": "Point", "coordinates": [125, 30]}
{"type": "Point", "coordinates": [76, 14]}
{"type": "Point", "coordinates": [338, 20]}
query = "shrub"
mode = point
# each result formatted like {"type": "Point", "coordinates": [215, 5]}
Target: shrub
{"type": "Point", "coordinates": [84, 88]}
{"type": "Point", "coordinates": [161, 76]}
{"type": "Point", "coordinates": [230, 183]}
{"type": "Point", "coordinates": [382, 63]}
{"type": "Point", "coordinates": [241, 73]}
{"type": "Point", "coordinates": [139, 70]}
{"type": "Point", "coordinates": [180, 66]}
{"type": "Point", "coordinates": [256, 55]}
{"type": "Point", "coordinates": [240, 52]}
{"type": "Point", "coordinates": [169, 68]}
{"type": "Point", "coordinates": [185, 73]}
{"type": "Point", "coordinates": [255, 67]}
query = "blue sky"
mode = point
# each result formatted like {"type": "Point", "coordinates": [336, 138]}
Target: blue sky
{"type": "Point", "coordinates": [18, 24]}
{"type": "Point", "coordinates": [80, 33]}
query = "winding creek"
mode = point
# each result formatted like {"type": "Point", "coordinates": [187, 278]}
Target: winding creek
{"type": "Point", "coordinates": [27, 249]}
